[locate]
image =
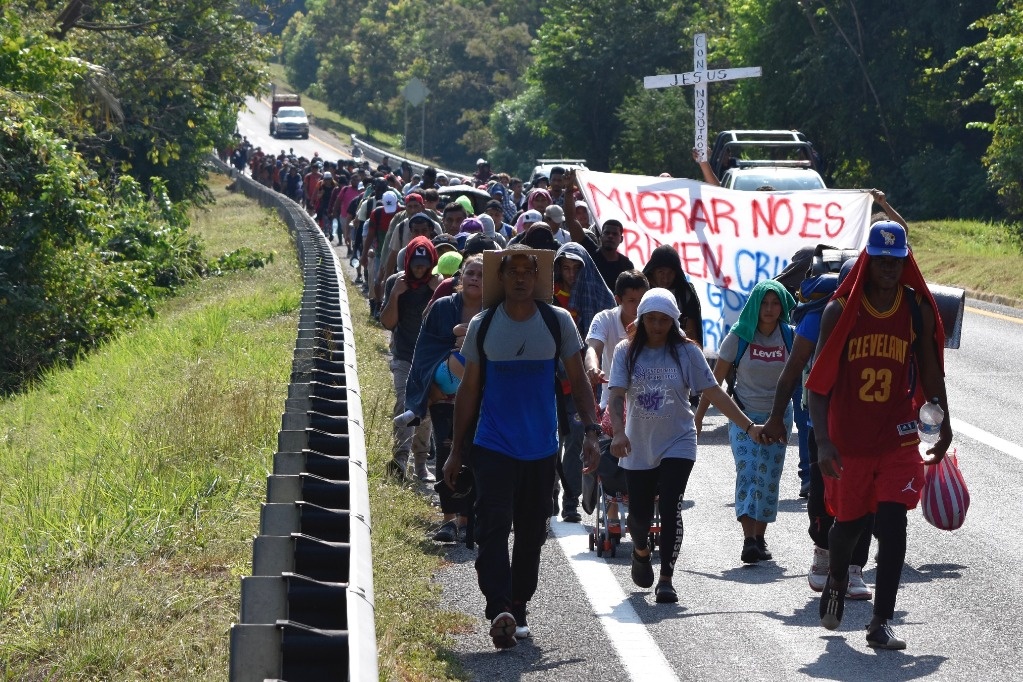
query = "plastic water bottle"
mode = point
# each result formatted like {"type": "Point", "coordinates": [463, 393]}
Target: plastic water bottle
{"type": "Point", "coordinates": [929, 423]}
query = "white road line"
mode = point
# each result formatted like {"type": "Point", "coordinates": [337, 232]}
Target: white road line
{"type": "Point", "coordinates": [978, 434]}
{"type": "Point", "coordinates": [641, 656]}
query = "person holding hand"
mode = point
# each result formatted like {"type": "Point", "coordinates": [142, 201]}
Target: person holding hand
{"type": "Point", "coordinates": [652, 373]}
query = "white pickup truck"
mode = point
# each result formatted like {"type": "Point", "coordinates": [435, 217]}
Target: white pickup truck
{"type": "Point", "coordinates": [757, 159]}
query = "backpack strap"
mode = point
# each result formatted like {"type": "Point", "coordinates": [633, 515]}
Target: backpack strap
{"type": "Point", "coordinates": [553, 326]}
{"type": "Point", "coordinates": [488, 318]}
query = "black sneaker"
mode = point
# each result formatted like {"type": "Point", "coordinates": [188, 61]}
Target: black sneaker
{"type": "Point", "coordinates": [665, 593]}
{"type": "Point", "coordinates": [571, 516]}
{"type": "Point", "coordinates": [765, 554]}
{"type": "Point", "coordinates": [833, 603]}
{"type": "Point", "coordinates": [642, 571]}
{"type": "Point", "coordinates": [447, 532]}
{"type": "Point", "coordinates": [883, 637]}
{"type": "Point", "coordinates": [750, 551]}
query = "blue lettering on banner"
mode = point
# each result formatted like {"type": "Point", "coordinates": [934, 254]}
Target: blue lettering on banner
{"type": "Point", "coordinates": [721, 309]}
{"type": "Point", "coordinates": [765, 266]}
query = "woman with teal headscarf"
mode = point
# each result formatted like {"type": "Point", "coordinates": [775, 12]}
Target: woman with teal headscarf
{"type": "Point", "coordinates": [757, 346]}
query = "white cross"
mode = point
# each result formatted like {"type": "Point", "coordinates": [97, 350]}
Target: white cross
{"type": "Point", "coordinates": [698, 78]}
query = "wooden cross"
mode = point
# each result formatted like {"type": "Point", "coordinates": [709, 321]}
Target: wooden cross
{"type": "Point", "coordinates": [698, 78]}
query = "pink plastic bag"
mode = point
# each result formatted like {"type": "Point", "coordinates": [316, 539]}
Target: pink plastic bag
{"type": "Point", "coordinates": [945, 497]}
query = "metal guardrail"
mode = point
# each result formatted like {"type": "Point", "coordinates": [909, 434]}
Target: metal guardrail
{"type": "Point", "coordinates": [417, 166]}
{"type": "Point", "coordinates": [307, 611]}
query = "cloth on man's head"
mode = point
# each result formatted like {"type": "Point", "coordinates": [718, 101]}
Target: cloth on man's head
{"type": "Point", "coordinates": [749, 318]}
{"type": "Point", "coordinates": [659, 300]}
{"type": "Point", "coordinates": [825, 367]}
{"type": "Point", "coordinates": [420, 249]}
{"type": "Point", "coordinates": [589, 294]}
{"type": "Point", "coordinates": [533, 194]}
{"type": "Point", "coordinates": [488, 225]}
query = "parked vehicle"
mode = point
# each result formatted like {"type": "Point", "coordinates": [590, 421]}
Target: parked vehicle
{"type": "Point", "coordinates": [544, 166]}
{"type": "Point", "coordinates": [752, 159]}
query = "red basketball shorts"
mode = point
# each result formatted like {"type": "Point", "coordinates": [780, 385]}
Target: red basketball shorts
{"type": "Point", "coordinates": [896, 476]}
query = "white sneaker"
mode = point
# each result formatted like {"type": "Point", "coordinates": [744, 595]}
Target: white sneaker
{"type": "Point", "coordinates": [857, 588]}
{"type": "Point", "coordinates": [818, 575]}
{"type": "Point", "coordinates": [522, 632]}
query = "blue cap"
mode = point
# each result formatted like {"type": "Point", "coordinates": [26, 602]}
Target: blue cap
{"type": "Point", "coordinates": [887, 238]}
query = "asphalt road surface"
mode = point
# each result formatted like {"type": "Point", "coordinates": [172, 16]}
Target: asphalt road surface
{"type": "Point", "coordinates": [958, 605]}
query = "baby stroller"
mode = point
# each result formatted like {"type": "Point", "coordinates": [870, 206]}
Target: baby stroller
{"type": "Point", "coordinates": [600, 489]}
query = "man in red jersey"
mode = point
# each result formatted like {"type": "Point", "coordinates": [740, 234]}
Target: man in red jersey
{"type": "Point", "coordinates": [879, 357]}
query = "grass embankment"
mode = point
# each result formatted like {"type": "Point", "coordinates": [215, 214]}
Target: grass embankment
{"type": "Point", "coordinates": [132, 484]}
{"type": "Point", "coordinates": [983, 258]}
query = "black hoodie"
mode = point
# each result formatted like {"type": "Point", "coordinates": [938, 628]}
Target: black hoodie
{"type": "Point", "coordinates": [685, 293]}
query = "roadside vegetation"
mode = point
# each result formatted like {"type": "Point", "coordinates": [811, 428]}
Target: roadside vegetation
{"type": "Point", "coordinates": [133, 480]}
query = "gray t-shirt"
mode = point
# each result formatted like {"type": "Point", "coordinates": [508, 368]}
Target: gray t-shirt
{"type": "Point", "coordinates": [759, 368]}
{"type": "Point", "coordinates": [658, 417]}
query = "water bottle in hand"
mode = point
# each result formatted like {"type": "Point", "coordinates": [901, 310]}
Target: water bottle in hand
{"type": "Point", "coordinates": [929, 423]}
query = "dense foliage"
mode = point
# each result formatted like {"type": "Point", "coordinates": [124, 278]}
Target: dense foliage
{"type": "Point", "coordinates": [919, 99]}
{"type": "Point", "coordinates": [107, 117]}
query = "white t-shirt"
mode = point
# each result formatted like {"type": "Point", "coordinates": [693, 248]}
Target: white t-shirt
{"type": "Point", "coordinates": [607, 328]}
{"type": "Point", "coordinates": [658, 417]}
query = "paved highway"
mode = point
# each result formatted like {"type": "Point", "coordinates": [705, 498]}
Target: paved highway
{"type": "Point", "coordinates": [958, 606]}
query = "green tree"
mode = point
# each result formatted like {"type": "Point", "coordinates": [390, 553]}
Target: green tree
{"type": "Point", "coordinates": [1000, 56]}
{"type": "Point", "coordinates": [590, 55]}
{"type": "Point", "coordinates": [178, 72]}
{"type": "Point", "coordinates": [657, 133]}
{"type": "Point", "coordinates": [857, 76]}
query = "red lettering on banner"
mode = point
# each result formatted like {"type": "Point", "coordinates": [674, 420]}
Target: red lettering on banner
{"type": "Point", "coordinates": [759, 216]}
{"type": "Point", "coordinates": [714, 261]}
{"type": "Point", "coordinates": [691, 255]}
{"type": "Point", "coordinates": [699, 215]}
{"type": "Point", "coordinates": [836, 215]}
{"type": "Point", "coordinates": [776, 204]}
{"type": "Point", "coordinates": [651, 212]}
{"type": "Point", "coordinates": [614, 197]}
{"type": "Point", "coordinates": [723, 212]}
{"type": "Point", "coordinates": [808, 219]}
{"type": "Point", "coordinates": [676, 207]}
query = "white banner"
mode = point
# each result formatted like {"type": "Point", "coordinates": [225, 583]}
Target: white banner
{"type": "Point", "coordinates": [728, 240]}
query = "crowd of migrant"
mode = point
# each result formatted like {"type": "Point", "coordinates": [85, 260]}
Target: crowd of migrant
{"type": "Point", "coordinates": [459, 270]}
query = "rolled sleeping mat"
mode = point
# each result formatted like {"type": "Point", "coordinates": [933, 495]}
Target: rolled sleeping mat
{"type": "Point", "coordinates": [951, 303]}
